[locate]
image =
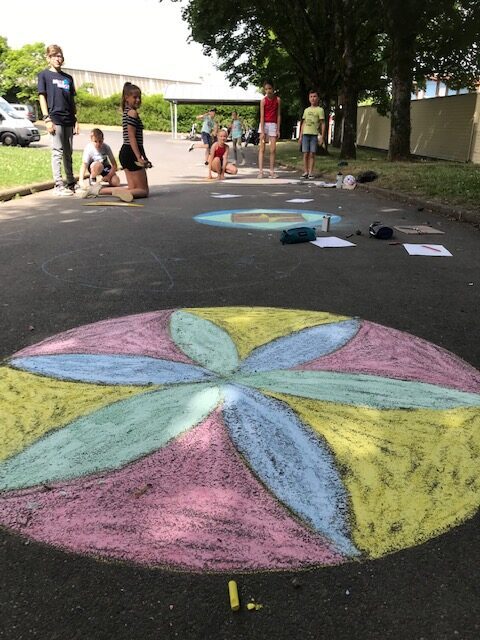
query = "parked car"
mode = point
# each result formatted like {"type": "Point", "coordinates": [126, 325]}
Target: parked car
{"type": "Point", "coordinates": [26, 110]}
{"type": "Point", "coordinates": [15, 128]}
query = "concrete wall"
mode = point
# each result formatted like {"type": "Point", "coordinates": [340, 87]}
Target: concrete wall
{"type": "Point", "coordinates": [445, 128]}
{"type": "Point", "coordinates": [105, 84]}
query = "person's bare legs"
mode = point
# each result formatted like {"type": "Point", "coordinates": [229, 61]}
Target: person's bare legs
{"type": "Point", "coordinates": [261, 154]}
{"type": "Point", "coordinates": [231, 169]}
{"type": "Point", "coordinates": [311, 163]}
{"type": "Point", "coordinates": [305, 164]}
{"type": "Point", "coordinates": [273, 149]}
{"type": "Point", "coordinates": [137, 185]}
{"type": "Point", "coordinates": [200, 145]}
{"type": "Point", "coordinates": [96, 169]}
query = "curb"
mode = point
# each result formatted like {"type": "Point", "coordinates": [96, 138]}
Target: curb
{"type": "Point", "coordinates": [26, 190]}
{"type": "Point", "coordinates": [450, 211]}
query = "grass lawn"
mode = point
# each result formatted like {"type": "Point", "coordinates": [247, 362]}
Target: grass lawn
{"type": "Point", "coordinates": [23, 165]}
{"type": "Point", "coordinates": [452, 183]}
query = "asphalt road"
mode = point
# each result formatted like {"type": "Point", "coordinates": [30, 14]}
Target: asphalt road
{"type": "Point", "coordinates": [64, 264]}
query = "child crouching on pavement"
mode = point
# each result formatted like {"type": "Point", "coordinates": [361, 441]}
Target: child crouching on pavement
{"type": "Point", "coordinates": [218, 158]}
{"type": "Point", "coordinates": [99, 161]}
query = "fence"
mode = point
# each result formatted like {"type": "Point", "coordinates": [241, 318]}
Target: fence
{"type": "Point", "coordinates": [445, 128]}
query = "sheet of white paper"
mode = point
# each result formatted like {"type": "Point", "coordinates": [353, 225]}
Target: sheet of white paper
{"type": "Point", "coordinates": [427, 249]}
{"type": "Point", "coordinates": [389, 210]}
{"type": "Point", "coordinates": [226, 195]}
{"type": "Point", "coordinates": [332, 242]}
{"type": "Point", "coordinates": [300, 200]}
{"type": "Point", "coordinates": [328, 185]}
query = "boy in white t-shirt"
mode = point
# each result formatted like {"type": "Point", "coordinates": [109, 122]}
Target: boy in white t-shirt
{"type": "Point", "coordinates": [99, 161]}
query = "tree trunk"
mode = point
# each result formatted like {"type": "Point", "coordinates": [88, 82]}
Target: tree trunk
{"type": "Point", "coordinates": [349, 139]}
{"type": "Point", "coordinates": [350, 86]}
{"type": "Point", "coordinates": [403, 56]}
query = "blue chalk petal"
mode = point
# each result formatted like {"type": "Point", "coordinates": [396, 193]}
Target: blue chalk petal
{"type": "Point", "coordinates": [293, 463]}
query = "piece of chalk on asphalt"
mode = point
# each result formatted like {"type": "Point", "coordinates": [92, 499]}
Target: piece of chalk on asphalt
{"type": "Point", "coordinates": [233, 593]}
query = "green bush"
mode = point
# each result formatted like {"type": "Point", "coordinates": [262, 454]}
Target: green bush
{"type": "Point", "coordinates": [155, 112]}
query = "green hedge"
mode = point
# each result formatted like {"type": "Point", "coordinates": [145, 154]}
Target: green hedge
{"type": "Point", "coordinates": [155, 112]}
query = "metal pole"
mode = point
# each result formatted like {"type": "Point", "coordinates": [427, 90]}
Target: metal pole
{"type": "Point", "coordinates": [176, 119]}
{"type": "Point", "coordinates": [171, 117]}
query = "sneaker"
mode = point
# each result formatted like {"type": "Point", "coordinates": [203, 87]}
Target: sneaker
{"type": "Point", "coordinates": [304, 176]}
{"type": "Point", "coordinates": [124, 196]}
{"type": "Point", "coordinates": [92, 191]}
{"type": "Point", "coordinates": [61, 192]}
{"type": "Point", "coordinates": [73, 187]}
{"type": "Point", "coordinates": [190, 148]}
{"type": "Point", "coordinates": [310, 176]}
{"type": "Point", "coordinates": [260, 175]}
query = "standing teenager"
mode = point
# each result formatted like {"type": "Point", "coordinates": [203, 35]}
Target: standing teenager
{"type": "Point", "coordinates": [56, 91]}
{"type": "Point", "coordinates": [269, 127]}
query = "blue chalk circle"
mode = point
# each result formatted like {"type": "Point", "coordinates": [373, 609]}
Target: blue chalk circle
{"type": "Point", "coordinates": [265, 218]}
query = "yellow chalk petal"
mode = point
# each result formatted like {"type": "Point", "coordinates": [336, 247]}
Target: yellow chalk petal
{"type": "Point", "coordinates": [410, 474]}
{"type": "Point", "coordinates": [252, 327]}
{"type": "Point", "coordinates": [31, 405]}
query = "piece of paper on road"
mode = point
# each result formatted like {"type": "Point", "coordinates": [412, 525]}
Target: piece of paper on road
{"type": "Point", "coordinates": [332, 242]}
{"type": "Point", "coordinates": [226, 195]}
{"type": "Point", "coordinates": [299, 200]}
{"type": "Point", "coordinates": [427, 250]}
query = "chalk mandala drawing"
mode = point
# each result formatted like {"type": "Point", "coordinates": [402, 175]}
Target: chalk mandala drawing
{"type": "Point", "coordinates": [264, 218]}
{"type": "Point", "coordinates": [213, 439]}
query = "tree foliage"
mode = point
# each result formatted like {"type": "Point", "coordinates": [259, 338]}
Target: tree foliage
{"type": "Point", "coordinates": [19, 69]}
{"type": "Point", "coordinates": [348, 49]}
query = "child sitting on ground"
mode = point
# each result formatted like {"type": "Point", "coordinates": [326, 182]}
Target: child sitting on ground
{"type": "Point", "coordinates": [99, 161]}
{"type": "Point", "coordinates": [218, 158]}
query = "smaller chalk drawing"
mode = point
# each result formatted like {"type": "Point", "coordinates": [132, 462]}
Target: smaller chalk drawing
{"type": "Point", "coordinates": [264, 218]}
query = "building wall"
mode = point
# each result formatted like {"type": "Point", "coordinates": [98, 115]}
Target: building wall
{"type": "Point", "coordinates": [445, 128]}
{"type": "Point", "coordinates": [106, 84]}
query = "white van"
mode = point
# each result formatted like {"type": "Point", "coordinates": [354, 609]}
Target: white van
{"type": "Point", "coordinates": [15, 128]}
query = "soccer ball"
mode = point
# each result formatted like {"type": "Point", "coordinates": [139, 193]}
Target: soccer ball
{"type": "Point", "coordinates": [349, 182]}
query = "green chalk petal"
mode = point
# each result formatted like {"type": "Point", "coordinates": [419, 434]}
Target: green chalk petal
{"type": "Point", "coordinates": [204, 342]}
{"type": "Point", "coordinates": [111, 437]}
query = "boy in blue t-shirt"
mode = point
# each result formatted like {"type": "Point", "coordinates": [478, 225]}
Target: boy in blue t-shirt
{"type": "Point", "coordinates": [56, 91]}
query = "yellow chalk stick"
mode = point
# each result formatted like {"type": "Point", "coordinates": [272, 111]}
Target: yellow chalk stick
{"type": "Point", "coordinates": [233, 593]}
{"type": "Point", "coordinates": [251, 606]}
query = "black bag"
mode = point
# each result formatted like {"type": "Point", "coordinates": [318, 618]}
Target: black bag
{"type": "Point", "coordinates": [380, 231]}
{"type": "Point", "coordinates": [367, 176]}
{"type": "Point", "coordinates": [298, 234]}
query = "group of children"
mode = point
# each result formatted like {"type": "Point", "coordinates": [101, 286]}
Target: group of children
{"type": "Point", "coordinates": [312, 135]}
{"type": "Point", "coordinates": [57, 101]}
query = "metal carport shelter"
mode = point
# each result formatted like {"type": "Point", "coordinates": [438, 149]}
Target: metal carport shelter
{"type": "Point", "coordinates": [206, 94]}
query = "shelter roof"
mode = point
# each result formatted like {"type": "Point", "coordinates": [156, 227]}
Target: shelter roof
{"type": "Point", "coordinates": [211, 94]}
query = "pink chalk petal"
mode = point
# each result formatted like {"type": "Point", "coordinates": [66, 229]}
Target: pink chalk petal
{"type": "Point", "coordinates": [388, 352]}
{"type": "Point", "coordinates": [203, 511]}
{"type": "Point", "coordinates": [143, 334]}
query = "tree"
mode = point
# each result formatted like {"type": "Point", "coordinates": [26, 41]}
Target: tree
{"type": "Point", "coordinates": [20, 68]}
{"type": "Point", "coordinates": [427, 37]}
